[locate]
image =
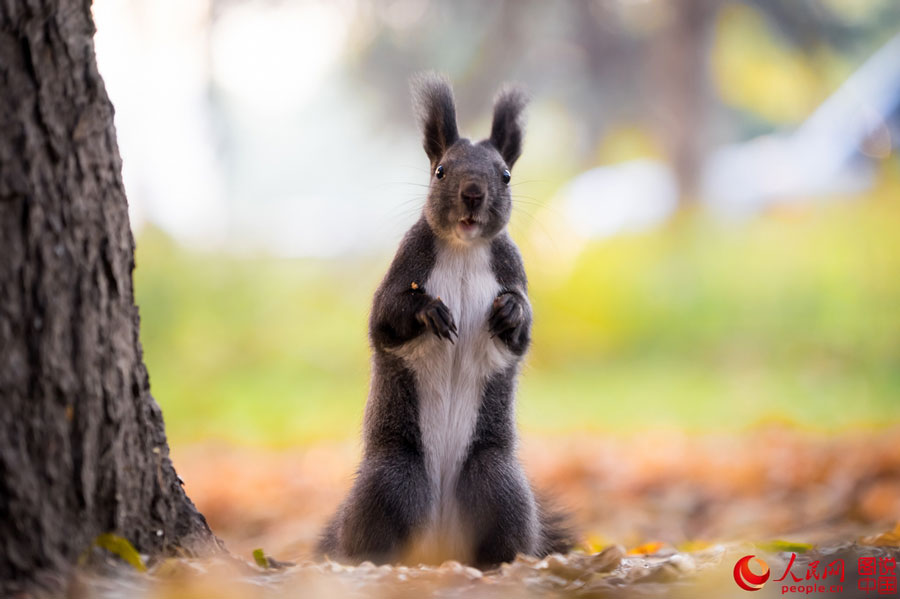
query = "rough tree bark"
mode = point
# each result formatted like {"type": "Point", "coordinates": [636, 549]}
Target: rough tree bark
{"type": "Point", "coordinates": [82, 446]}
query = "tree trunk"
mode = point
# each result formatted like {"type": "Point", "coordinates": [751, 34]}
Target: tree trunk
{"type": "Point", "coordinates": [82, 445]}
{"type": "Point", "coordinates": [679, 75]}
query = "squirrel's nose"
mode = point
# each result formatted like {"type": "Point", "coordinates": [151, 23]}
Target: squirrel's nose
{"type": "Point", "coordinates": [472, 195]}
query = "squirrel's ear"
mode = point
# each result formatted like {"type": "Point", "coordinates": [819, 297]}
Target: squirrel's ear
{"type": "Point", "coordinates": [508, 128]}
{"type": "Point", "coordinates": [433, 101]}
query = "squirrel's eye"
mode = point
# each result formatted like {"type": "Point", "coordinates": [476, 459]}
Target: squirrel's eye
{"type": "Point", "coordinates": [439, 171]}
{"type": "Point", "coordinates": [506, 176]}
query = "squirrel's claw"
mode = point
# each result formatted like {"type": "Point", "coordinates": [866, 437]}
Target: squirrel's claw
{"type": "Point", "coordinates": [507, 314]}
{"type": "Point", "coordinates": [437, 317]}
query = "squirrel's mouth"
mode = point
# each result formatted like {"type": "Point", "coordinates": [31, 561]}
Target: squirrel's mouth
{"type": "Point", "coordinates": [467, 227]}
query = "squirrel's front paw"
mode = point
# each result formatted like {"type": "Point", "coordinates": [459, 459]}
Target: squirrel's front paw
{"type": "Point", "coordinates": [437, 317]}
{"type": "Point", "coordinates": [507, 315]}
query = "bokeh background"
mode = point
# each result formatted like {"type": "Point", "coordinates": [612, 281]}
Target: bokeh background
{"type": "Point", "coordinates": [708, 206]}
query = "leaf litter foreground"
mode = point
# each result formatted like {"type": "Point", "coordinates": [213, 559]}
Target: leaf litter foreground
{"type": "Point", "coordinates": [662, 514]}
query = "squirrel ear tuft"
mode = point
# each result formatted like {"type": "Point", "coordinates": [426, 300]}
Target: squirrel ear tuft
{"type": "Point", "coordinates": [508, 128]}
{"type": "Point", "coordinates": [433, 101]}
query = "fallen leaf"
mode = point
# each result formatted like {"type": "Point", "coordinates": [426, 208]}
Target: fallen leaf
{"type": "Point", "coordinates": [260, 558]}
{"type": "Point", "coordinates": [694, 545]}
{"type": "Point", "coordinates": [594, 543]}
{"type": "Point", "coordinates": [885, 539]}
{"type": "Point", "coordinates": [779, 546]}
{"type": "Point", "coordinates": [121, 547]}
{"type": "Point", "coordinates": [647, 548]}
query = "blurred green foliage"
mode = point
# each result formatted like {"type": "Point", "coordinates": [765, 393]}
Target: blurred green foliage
{"type": "Point", "coordinates": [791, 316]}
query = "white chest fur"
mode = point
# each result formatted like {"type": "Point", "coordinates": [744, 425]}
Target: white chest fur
{"type": "Point", "coordinates": [450, 381]}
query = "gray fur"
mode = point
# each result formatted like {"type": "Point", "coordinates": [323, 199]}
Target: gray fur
{"type": "Point", "coordinates": [433, 102]}
{"type": "Point", "coordinates": [508, 127]}
{"type": "Point", "coordinates": [450, 324]}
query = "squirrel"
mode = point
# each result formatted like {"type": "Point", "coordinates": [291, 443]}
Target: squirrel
{"type": "Point", "coordinates": [439, 478]}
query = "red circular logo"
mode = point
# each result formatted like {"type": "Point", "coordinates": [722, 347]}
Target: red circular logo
{"type": "Point", "coordinates": [745, 578]}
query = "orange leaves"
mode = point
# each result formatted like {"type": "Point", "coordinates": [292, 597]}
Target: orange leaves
{"type": "Point", "coordinates": [886, 539]}
{"type": "Point", "coordinates": [653, 493]}
{"type": "Point", "coordinates": [647, 548]}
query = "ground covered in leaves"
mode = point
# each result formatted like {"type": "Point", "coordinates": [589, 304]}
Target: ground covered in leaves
{"type": "Point", "coordinates": [683, 491]}
{"type": "Point", "coordinates": [662, 514]}
{"type": "Point", "coordinates": [608, 573]}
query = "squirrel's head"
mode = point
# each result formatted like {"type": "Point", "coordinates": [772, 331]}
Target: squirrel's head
{"type": "Point", "coordinates": [469, 197]}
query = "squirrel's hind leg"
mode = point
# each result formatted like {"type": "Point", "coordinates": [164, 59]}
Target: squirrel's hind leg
{"type": "Point", "coordinates": [389, 499]}
{"type": "Point", "coordinates": [500, 507]}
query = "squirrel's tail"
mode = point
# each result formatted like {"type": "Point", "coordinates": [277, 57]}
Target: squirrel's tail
{"type": "Point", "coordinates": [557, 532]}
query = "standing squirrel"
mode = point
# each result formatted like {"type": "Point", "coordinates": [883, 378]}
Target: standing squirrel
{"type": "Point", "coordinates": [450, 324]}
